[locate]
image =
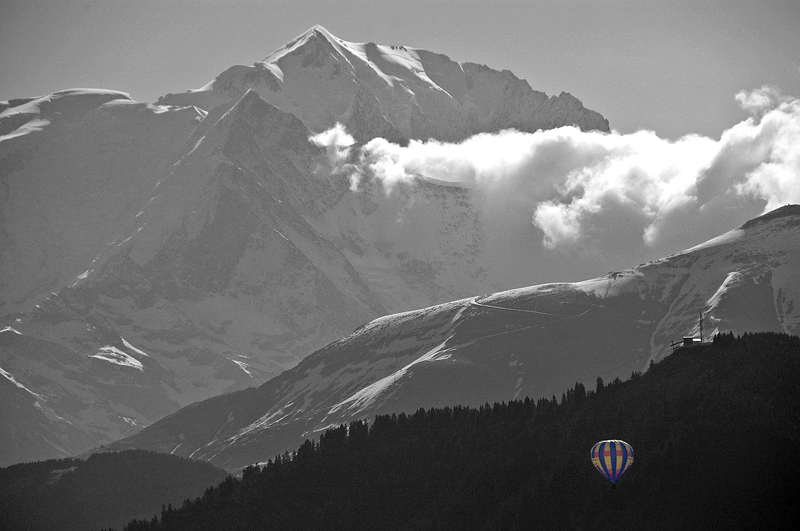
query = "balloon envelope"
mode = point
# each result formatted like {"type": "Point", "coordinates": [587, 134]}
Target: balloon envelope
{"type": "Point", "coordinates": [612, 458]}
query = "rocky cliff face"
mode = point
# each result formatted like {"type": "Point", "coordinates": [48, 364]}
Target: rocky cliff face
{"type": "Point", "coordinates": [76, 168]}
{"type": "Point", "coordinates": [157, 254]}
{"type": "Point", "coordinates": [533, 341]}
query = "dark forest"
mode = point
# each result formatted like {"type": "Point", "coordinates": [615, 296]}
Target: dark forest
{"type": "Point", "coordinates": [714, 428]}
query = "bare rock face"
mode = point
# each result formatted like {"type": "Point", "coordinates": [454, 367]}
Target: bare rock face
{"type": "Point", "coordinates": [154, 255]}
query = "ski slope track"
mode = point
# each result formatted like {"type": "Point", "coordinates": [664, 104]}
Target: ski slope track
{"type": "Point", "coordinates": [534, 341]}
{"type": "Point", "coordinates": [156, 254]}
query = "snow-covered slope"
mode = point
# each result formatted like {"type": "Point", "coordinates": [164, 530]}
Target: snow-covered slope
{"type": "Point", "coordinates": [532, 341]}
{"type": "Point", "coordinates": [153, 255]}
{"type": "Point", "coordinates": [394, 92]}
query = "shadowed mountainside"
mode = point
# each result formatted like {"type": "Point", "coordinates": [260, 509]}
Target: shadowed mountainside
{"type": "Point", "coordinates": [103, 490]}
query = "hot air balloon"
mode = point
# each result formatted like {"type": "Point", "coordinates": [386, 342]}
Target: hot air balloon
{"type": "Point", "coordinates": [612, 458]}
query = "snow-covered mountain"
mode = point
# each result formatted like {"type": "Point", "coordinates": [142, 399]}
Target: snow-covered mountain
{"type": "Point", "coordinates": [156, 254]}
{"type": "Point", "coordinates": [394, 92]}
{"type": "Point", "coordinates": [533, 341]}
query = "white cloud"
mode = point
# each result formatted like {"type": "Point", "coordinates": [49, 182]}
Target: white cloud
{"type": "Point", "coordinates": [774, 147]}
{"type": "Point", "coordinates": [761, 100]}
{"type": "Point", "coordinates": [336, 141]}
{"type": "Point", "coordinates": [479, 159]}
{"type": "Point", "coordinates": [609, 192]}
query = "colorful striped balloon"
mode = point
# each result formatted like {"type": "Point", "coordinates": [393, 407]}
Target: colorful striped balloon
{"type": "Point", "coordinates": [612, 458]}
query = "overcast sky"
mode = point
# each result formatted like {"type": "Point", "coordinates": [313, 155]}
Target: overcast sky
{"type": "Point", "coordinates": [672, 66]}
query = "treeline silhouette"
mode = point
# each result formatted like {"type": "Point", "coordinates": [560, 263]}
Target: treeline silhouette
{"type": "Point", "coordinates": [715, 430]}
{"type": "Point", "coordinates": [106, 489]}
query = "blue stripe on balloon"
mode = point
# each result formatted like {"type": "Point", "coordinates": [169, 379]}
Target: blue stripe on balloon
{"type": "Point", "coordinates": [624, 459]}
{"type": "Point", "coordinates": [601, 452]}
{"type": "Point", "coordinates": [614, 463]}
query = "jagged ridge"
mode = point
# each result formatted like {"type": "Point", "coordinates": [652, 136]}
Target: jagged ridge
{"type": "Point", "coordinates": [399, 90]}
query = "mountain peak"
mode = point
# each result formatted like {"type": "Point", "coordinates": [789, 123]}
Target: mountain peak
{"type": "Point", "coordinates": [314, 33]}
{"type": "Point", "coordinates": [319, 30]}
{"type": "Point", "coordinates": [410, 92]}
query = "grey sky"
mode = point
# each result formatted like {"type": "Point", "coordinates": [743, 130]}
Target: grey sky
{"type": "Point", "coordinates": [668, 65]}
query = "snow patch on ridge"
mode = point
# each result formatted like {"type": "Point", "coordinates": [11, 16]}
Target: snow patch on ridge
{"type": "Point", "coordinates": [38, 113]}
{"type": "Point", "coordinates": [35, 124]}
{"type": "Point", "coordinates": [116, 356]}
{"type": "Point", "coordinates": [722, 239]}
{"type": "Point", "coordinates": [133, 422]}
{"type": "Point", "coordinates": [614, 284]}
{"type": "Point", "coordinates": [136, 350]}
{"type": "Point", "coordinates": [14, 381]}
{"type": "Point", "coordinates": [242, 365]}
{"type": "Point", "coordinates": [732, 278]}
{"type": "Point", "coordinates": [367, 396]}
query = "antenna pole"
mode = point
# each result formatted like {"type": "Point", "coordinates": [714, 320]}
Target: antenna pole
{"type": "Point", "coordinates": [701, 327]}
